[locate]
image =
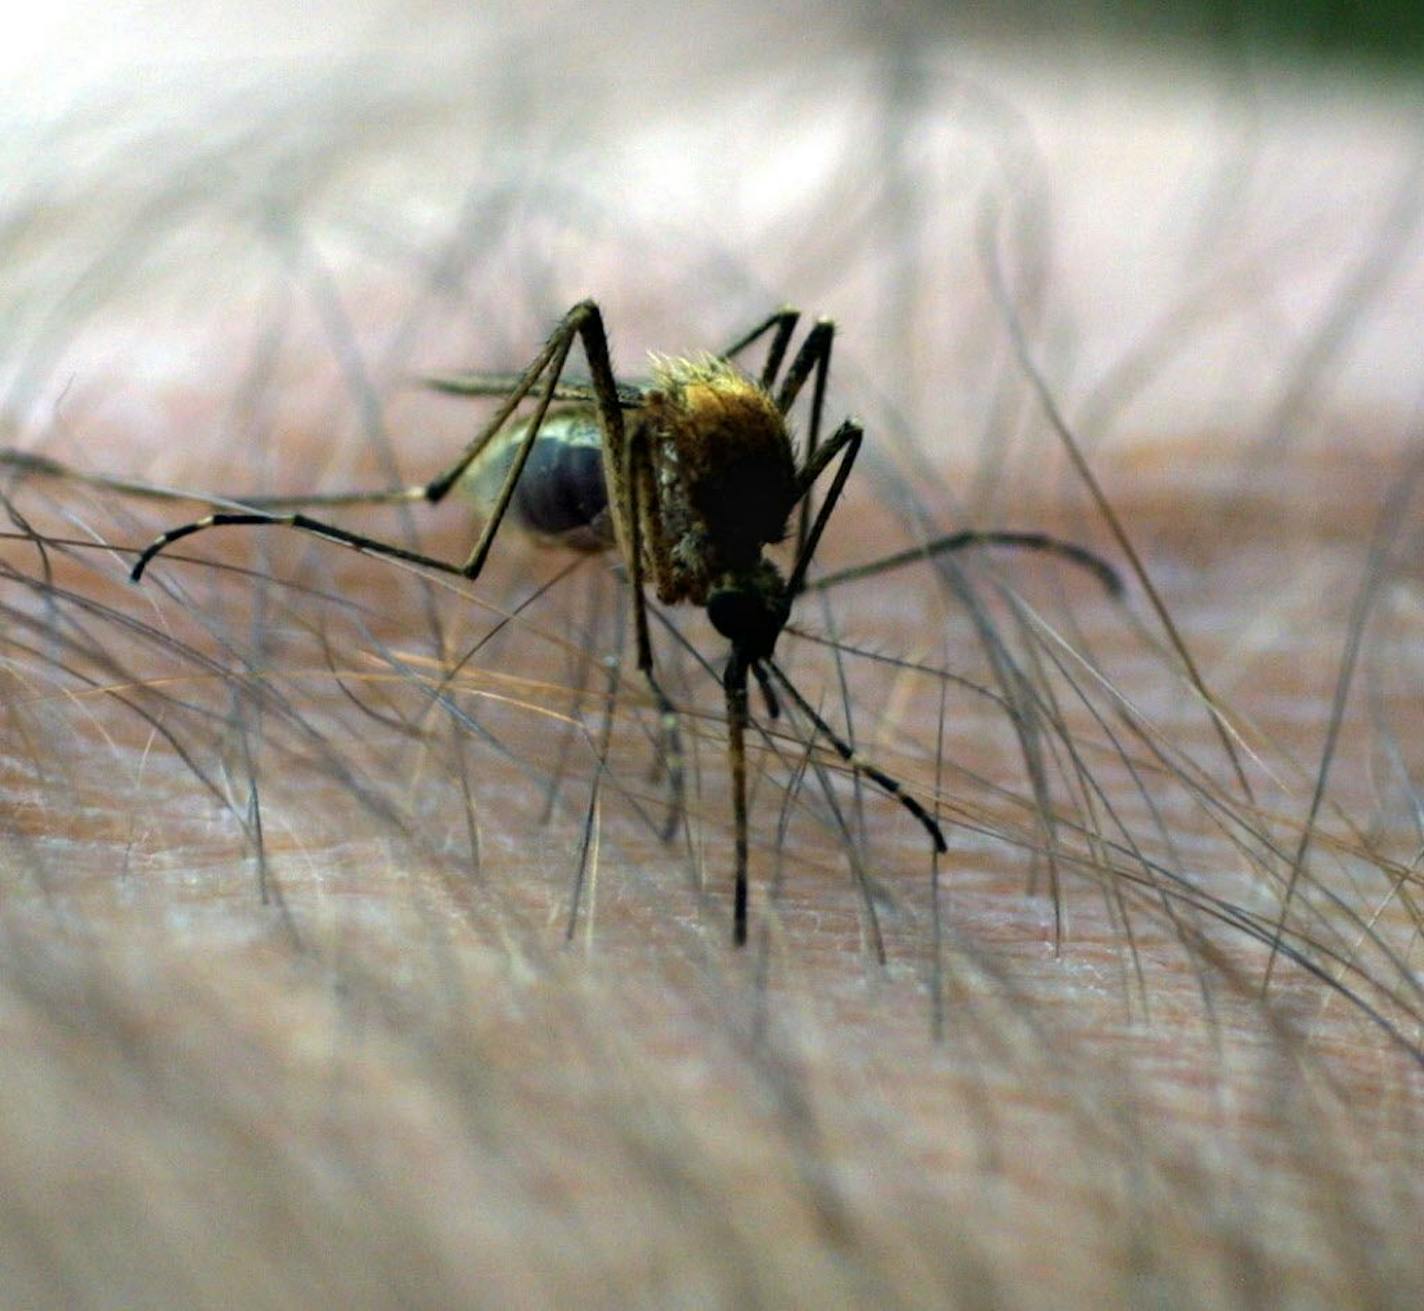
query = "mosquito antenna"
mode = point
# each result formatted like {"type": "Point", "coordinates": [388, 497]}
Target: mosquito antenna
{"type": "Point", "coordinates": [856, 761]}
{"type": "Point", "coordinates": [1105, 573]}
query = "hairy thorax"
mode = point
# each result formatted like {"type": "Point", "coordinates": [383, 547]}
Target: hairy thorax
{"type": "Point", "coordinates": [724, 474]}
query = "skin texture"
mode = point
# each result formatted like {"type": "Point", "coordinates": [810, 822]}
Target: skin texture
{"type": "Point", "coordinates": [293, 839]}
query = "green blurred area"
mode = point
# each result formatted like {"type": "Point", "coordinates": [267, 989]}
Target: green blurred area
{"type": "Point", "coordinates": [1385, 32]}
{"type": "Point", "coordinates": [1385, 36]}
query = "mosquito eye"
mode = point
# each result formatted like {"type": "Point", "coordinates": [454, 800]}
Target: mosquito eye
{"type": "Point", "coordinates": [734, 613]}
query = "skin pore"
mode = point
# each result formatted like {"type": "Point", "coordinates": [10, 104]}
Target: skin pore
{"type": "Point", "coordinates": [343, 960]}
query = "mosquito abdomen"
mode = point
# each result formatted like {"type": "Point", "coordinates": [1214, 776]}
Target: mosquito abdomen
{"type": "Point", "coordinates": [561, 496]}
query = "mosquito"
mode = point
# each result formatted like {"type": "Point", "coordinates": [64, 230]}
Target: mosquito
{"type": "Point", "coordinates": [689, 477]}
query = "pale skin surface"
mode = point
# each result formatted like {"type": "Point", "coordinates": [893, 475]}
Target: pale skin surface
{"type": "Point", "coordinates": [289, 1011]}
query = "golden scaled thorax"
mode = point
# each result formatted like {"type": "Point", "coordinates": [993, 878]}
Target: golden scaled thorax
{"type": "Point", "coordinates": [725, 469]}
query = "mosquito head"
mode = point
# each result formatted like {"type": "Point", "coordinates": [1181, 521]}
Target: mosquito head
{"type": "Point", "coordinates": [750, 608]}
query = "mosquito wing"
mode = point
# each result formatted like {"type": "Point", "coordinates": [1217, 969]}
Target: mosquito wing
{"type": "Point", "coordinates": [630, 395]}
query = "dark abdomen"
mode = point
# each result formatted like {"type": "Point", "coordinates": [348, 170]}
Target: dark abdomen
{"type": "Point", "coordinates": [561, 495]}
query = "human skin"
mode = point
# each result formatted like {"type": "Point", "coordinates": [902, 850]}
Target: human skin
{"type": "Point", "coordinates": [305, 1000]}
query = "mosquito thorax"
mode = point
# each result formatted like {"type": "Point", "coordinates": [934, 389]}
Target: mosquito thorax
{"type": "Point", "coordinates": [750, 608]}
{"type": "Point", "coordinates": [734, 464]}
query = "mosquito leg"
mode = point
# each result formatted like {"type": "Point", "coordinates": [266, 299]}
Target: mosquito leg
{"type": "Point", "coordinates": [781, 324]}
{"type": "Point", "coordinates": [514, 388]}
{"type": "Point", "coordinates": [633, 461]}
{"type": "Point", "coordinates": [856, 761]}
{"type": "Point", "coordinates": [301, 522]}
{"type": "Point", "coordinates": [556, 348]}
{"type": "Point", "coordinates": [584, 321]}
{"type": "Point", "coordinates": [370, 545]}
{"type": "Point", "coordinates": [846, 438]}
{"type": "Point", "coordinates": [814, 358]}
{"type": "Point", "coordinates": [1105, 573]}
{"type": "Point", "coordinates": [768, 692]}
{"type": "Point", "coordinates": [641, 490]}
{"type": "Point", "coordinates": [734, 681]}
{"type": "Point", "coordinates": [481, 550]}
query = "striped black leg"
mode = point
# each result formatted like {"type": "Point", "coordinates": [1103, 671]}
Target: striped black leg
{"type": "Point", "coordinates": [856, 761]}
{"type": "Point", "coordinates": [583, 321]}
{"type": "Point", "coordinates": [304, 523]}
